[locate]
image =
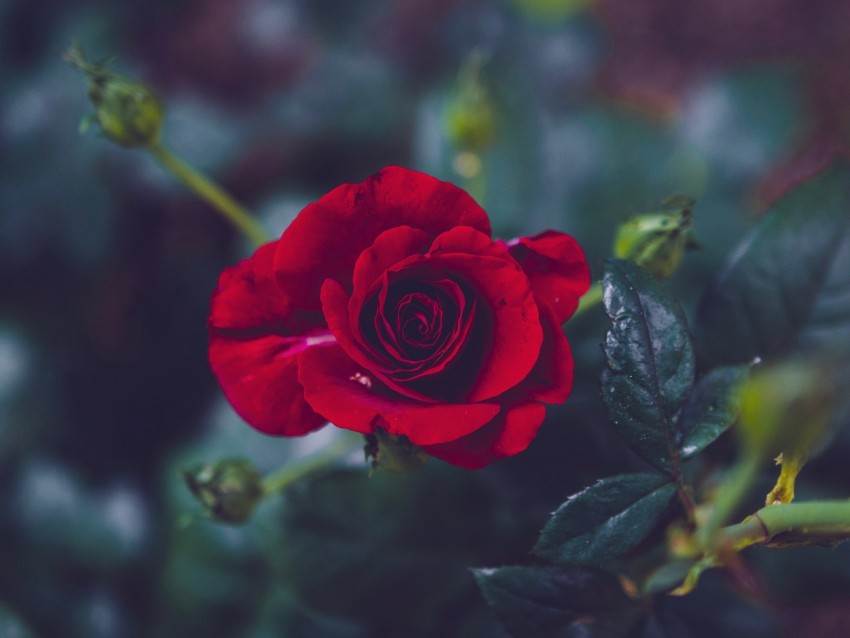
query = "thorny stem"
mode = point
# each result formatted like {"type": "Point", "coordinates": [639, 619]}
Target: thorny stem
{"type": "Point", "coordinates": [212, 194]}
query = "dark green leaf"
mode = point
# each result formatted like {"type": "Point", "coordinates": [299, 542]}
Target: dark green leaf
{"type": "Point", "coordinates": [712, 407]}
{"type": "Point", "coordinates": [551, 602]}
{"type": "Point", "coordinates": [605, 520]}
{"type": "Point", "coordinates": [650, 362]}
{"type": "Point", "coordinates": [389, 553]}
{"type": "Point", "coordinates": [787, 283]}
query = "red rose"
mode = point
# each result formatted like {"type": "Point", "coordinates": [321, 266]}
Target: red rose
{"type": "Point", "coordinates": [386, 304]}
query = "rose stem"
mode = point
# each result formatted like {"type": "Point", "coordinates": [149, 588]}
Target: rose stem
{"type": "Point", "coordinates": [211, 193]}
{"type": "Point", "coordinates": [291, 472]}
{"type": "Point", "coordinates": [813, 521]}
{"type": "Point", "coordinates": [590, 300]}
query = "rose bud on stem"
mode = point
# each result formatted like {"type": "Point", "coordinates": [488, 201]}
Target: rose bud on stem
{"type": "Point", "coordinates": [230, 489]}
{"type": "Point", "coordinates": [129, 114]}
{"type": "Point", "coordinates": [655, 241]}
{"type": "Point", "coordinates": [470, 124]}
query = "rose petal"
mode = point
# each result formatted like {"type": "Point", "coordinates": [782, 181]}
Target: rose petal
{"type": "Point", "coordinates": [247, 295]}
{"type": "Point", "coordinates": [511, 343]}
{"type": "Point", "coordinates": [352, 398]}
{"type": "Point", "coordinates": [327, 237]}
{"type": "Point", "coordinates": [335, 303]}
{"type": "Point", "coordinates": [557, 268]}
{"type": "Point", "coordinates": [464, 239]}
{"type": "Point", "coordinates": [335, 306]}
{"type": "Point", "coordinates": [260, 379]}
{"type": "Point", "coordinates": [255, 340]}
{"type": "Point", "coordinates": [552, 377]}
{"type": "Point", "coordinates": [453, 334]}
{"type": "Point", "coordinates": [390, 248]}
{"type": "Point", "coordinates": [508, 434]}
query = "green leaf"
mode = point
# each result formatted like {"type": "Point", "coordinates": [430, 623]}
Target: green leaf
{"type": "Point", "coordinates": [605, 520]}
{"type": "Point", "coordinates": [551, 602]}
{"type": "Point", "coordinates": [787, 283]}
{"type": "Point", "coordinates": [389, 553]}
{"type": "Point", "coordinates": [711, 409]}
{"type": "Point", "coordinates": [667, 577]}
{"type": "Point", "coordinates": [650, 363]}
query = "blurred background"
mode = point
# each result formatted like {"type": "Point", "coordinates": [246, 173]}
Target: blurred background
{"type": "Point", "coordinates": [564, 114]}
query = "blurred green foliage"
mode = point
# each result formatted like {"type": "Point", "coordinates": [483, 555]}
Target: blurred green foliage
{"type": "Point", "coordinates": [107, 267]}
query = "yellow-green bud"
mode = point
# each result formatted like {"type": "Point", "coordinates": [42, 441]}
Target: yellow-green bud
{"type": "Point", "coordinates": [657, 241]}
{"type": "Point", "coordinates": [228, 489]}
{"type": "Point", "coordinates": [470, 117]}
{"type": "Point", "coordinates": [127, 111]}
{"type": "Point", "coordinates": [393, 453]}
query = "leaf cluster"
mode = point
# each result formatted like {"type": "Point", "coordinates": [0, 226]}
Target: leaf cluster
{"type": "Point", "coordinates": [669, 395]}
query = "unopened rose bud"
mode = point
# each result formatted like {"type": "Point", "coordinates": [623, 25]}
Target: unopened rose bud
{"type": "Point", "coordinates": [127, 112]}
{"type": "Point", "coordinates": [470, 118]}
{"type": "Point", "coordinates": [657, 241]}
{"type": "Point", "coordinates": [394, 454]}
{"type": "Point", "coordinates": [228, 489]}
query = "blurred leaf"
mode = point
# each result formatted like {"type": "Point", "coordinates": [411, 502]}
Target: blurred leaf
{"type": "Point", "coordinates": [712, 407]}
{"type": "Point", "coordinates": [713, 609]}
{"type": "Point", "coordinates": [605, 520]}
{"type": "Point", "coordinates": [667, 577]}
{"type": "Point", "coordinates": [787, 408]}
{"type": "Point", "coordinates": [390, 552]}
{"type": "Point", "coordinates": [548, 11]}
{"type": "Point", "coordinates": [786, 283]}
{"type": "Point", "coordinates": [650, 362]}
{"type": "Point", "coordinates": [283, 615]}
{"type": "Point", "coordinates": [11, 626]}
{"type": "Point", "coordinates": [551, 602]}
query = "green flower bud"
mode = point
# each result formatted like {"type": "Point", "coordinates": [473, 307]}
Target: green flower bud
{"type": "Point", "coordinates": [470, 117]}
{"type": "Point", "coordinates": [228, 489]}
{"type": "Point", "coordinates": [392, 453]}
{"type": "Point", "coordinates": [127, 112]}
{"type": "Point", "coordinates": [657, 241]}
